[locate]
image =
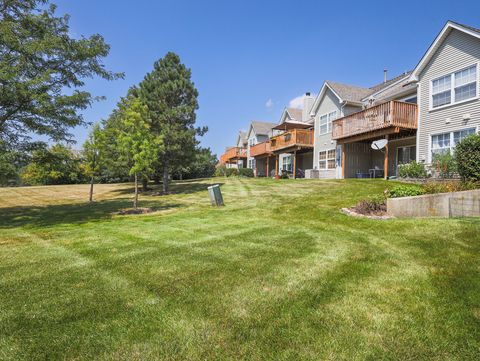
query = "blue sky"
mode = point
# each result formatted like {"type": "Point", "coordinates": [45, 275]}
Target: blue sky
{"type": "Point", "coordinates": [248, 54]}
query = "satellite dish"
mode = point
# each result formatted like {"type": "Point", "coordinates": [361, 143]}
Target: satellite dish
{"type": "Point", "coordinates": [379, 144]}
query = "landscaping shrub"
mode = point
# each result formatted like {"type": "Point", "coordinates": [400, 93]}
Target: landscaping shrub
{"type": "Point", "coordinates": [446, 187]}
{"type": "Point", "coordinates": [232, 172]}
{"type": "Point", "coordinates": [467, 156]}
{"type": "Point", "coordinates": [374, 205]}
{"type": "Point", "coordinates": [412, 170]}
{"type": "Point", "coordinates": [403, 190]}
{"type": "Point", "coordinates": [444, 165]}
{"type": "Point", "coordinates": [221, 171]}
{"type": "Point", "coordinates": [246, 172]}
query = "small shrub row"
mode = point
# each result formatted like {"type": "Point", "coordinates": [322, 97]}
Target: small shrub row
{"type": "Point", "coordinates": [412, 170]}
{"type": "Point", "coordinates": [246, 172]}
{"type": "Point", "coordinates": [404, 190]}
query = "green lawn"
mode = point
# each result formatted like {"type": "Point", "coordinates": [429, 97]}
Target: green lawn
{"type": "Point", "coordinates": [277, 274]}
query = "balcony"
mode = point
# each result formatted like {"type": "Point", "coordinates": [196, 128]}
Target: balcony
{"type": "Point", "coordinates": [260, 149]}
{"type": "Point", "coordinates": [233, 154]}
{"type": "Point", "coordinates": [292, 140]}
{"type": "Point", "coordinates": [387, 118]}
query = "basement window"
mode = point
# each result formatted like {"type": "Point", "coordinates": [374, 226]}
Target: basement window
{"type": "Point", "coordinates": [326, 159]}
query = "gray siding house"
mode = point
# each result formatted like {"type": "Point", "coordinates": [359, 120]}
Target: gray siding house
{"type": "Point", "coordinates": [448, 79]}
{"type": "Point", "coordinates": [259, 132]}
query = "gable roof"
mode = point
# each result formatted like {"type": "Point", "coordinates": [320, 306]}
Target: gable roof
{"type": "Point", "coordinates": [447, 29]}
{"type": "Point", "coordinates": [343, 92]}
{"type": "Point", "coordinates": [261, 128]}
{"type": "Point", "coordinates": [291, 114]}
{"type": "Point", "coordinates": [242, 136]}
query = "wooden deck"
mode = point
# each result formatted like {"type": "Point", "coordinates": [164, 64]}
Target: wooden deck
{"type": "Point", "coordinates": [383, 119]}
{"type": "Point", "coordinates": [261, 149]}
{"type": "Point", "coordinates": [294, 139]}
{"type": "Point", "coordinates": [233, 154]}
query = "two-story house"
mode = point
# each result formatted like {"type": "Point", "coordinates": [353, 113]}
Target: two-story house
{"type": "Point", "coordinates": [448, 80]}
{"type": "Point", "coordinates": [236, 156]}
{"type": "Point", "coordinates": [259, 156]}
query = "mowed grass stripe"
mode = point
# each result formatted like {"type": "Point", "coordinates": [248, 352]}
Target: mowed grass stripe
{"type": "Point", "coordinates": [278, 273]}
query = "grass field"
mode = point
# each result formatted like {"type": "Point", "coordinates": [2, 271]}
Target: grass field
{"type": "Point", "coordinates": [277, 274]}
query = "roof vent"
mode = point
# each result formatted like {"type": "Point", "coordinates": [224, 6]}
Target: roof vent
{"type": "Point", "coordinates": [385, 72]}
{"type": "Point", "coordinates": [307, 94]}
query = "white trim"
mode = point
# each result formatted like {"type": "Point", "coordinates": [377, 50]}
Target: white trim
{"type": "Point", "coordinates": [419, 123]}
{"type": "Point", "coordinates": [451, 136]}
{"type": "Point", "coordinates": [414, 77]}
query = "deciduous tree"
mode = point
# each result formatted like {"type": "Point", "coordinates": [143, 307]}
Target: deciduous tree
{"type": "Point", "coordinates": [42, 71]}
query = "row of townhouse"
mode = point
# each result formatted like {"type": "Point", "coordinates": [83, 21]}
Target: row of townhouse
{"type": "Point", "coordinates": [420, 113]}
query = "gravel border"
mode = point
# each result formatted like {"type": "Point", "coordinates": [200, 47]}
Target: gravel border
{"type": "Point", "coordinates": [351, 213]}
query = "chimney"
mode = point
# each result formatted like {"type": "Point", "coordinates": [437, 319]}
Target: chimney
{"type": "Point", "coordinates": [308, 101]}
{"type": "Point", "coordinates": [385, 72]}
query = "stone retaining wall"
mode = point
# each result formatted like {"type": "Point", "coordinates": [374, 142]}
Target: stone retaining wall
{"type": "Point", "coordinates": [454, 204]}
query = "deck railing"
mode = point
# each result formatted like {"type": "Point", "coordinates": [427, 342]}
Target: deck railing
{"type": "Point", "coordinates": [390, 114]}
{"type": "Point", "coordinates": [260, 149]}
{"type": "Point", "coordinates": [294, 137]}
{"type": "Point", "coordinates": [233, 153]}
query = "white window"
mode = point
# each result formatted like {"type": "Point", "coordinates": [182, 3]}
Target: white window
{"type": "Point", "coordinates": [326, 159]}
{"type": "Point", "coordinates": [251, 142]}
{"type": "Point", "coordinates": [446, 142]}
{"type": "Point", "coordinates": [455, 87]}
{"type": "Point", "coordinates": [287, 163]}
{"type": "Point", "coordinates": [326, 122]}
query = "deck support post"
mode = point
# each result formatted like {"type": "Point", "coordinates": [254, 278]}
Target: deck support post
{"type": "Point", "coordinates": [276, 165]}
{"type": "Point", "coordinates": [268, 170]}
{"type": "Point", "coordinates": [344, 156]}
{"type": "Point", "coordinates": [385, 163]}
{"type": "Point", "coordinates": [295, 164]}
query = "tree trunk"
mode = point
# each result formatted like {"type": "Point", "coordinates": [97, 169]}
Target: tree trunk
{"type": "Point", "coordinates": [135, 199]}
{"type": "Point", "coordinates": [165, 177]}
{"type": "Point", "coordinates": [144, 184]}
{"type": "Point", "coordinates": [91, 189]}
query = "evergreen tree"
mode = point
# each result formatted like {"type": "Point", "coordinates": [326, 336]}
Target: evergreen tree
{"type": "Point", "coordinates": [39, 62]}
{"type": "Point", "coordinates": [171, 100]}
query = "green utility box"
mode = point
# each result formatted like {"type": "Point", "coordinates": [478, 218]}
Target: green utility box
{"type": "Point", "coordinates": [215, 195]}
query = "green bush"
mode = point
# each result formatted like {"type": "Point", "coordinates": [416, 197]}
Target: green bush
{"type": "Point", "coordinates": [232, 172]}
{"type": "Point", "coordinates": [221, 171]}
{"type": "Point", "coordinates": [467, 156]}
{"type": "Point", "coordinates": [445, 165]}
{"type": "Point", "coordinates": [246, 172]}
{"type": "Point", "coordinates": [412, 170]}
{"type": "Point", "coordinates": [403, 190]}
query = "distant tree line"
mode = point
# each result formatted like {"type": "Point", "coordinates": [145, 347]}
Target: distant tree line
{"type": "Point", "coordinates": [150, 135]}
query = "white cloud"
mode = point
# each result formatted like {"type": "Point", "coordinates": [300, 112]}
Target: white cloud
{"type": "Point", "coordinates": [296, 102]}
{"type": "Point", "coordinates": [269, 104]}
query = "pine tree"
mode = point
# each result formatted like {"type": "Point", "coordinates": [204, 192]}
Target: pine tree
{"type": "Point", "coordinates": [171, 100]}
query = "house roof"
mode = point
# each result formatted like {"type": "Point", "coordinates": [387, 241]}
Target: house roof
{"type": "Point", "coordinates": [262, 128]}
{"type": "Point", "coordinates": [242, 136]}
{"type": "Point", "coordinates": [347, 92]}
{"type": "Point", "coordinates": [447, 29]}
{"type": "Point", "coordinates": [295, 114]}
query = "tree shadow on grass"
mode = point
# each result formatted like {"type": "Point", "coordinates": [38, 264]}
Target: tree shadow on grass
{"type": "Point", "coordinates": [181, 187]}
{"type": "Point", "coordinates": [45, 216]}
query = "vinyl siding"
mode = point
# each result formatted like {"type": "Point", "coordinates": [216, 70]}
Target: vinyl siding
{"type": "Point", "coordinates": [458, 51]}
{"type": "Point", "coordinates": [328, 103]}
